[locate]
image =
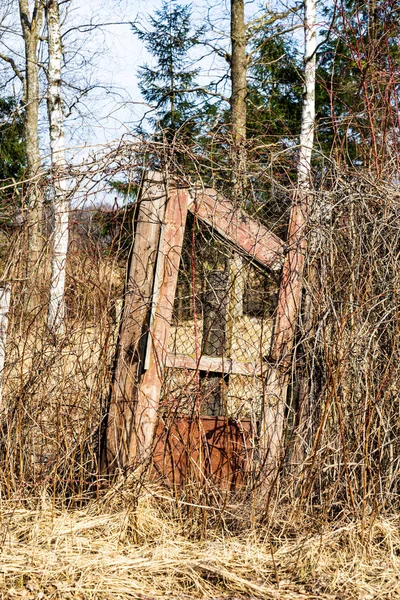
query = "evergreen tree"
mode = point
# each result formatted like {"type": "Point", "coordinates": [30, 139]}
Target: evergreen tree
{"type": "Point", "coordinates": [12, 159]}
{"type": "Point", "coordinates": [169, 86]}
{"type": "Point", "coordinates": [275, 89]}
{"type": "Point", "coordinates": [273, 103]}
{"type": "Point", "coordinates": [12, 145]}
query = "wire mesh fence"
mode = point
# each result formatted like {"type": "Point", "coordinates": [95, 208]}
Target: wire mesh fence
{"type": "Point", "coordinates": [223, 310]}
{"type": "Point", "coordinates": [340, 439]}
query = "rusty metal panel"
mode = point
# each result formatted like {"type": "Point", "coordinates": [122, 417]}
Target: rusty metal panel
{"type": "Point", "coordinates": [207, 449]}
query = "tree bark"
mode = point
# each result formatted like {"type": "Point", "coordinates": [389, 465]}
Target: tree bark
{"type": "Point", "coordinates": [5, 293]}
{"type": "Point", "coordinates": [239, 64]}
{"type": "Point", "coordinates": [289, 300]}
{"type": "Point", "coordinates": [239, 92]}
{"type": "Point", "coordinates": [31, 29]}
{"type": "Point", "coordinates": [228, 284]}
{"type": "Point", "coordinates": [56, 312]}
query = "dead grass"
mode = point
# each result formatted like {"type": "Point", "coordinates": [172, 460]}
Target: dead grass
{"type": "Point", "coordinates": [111, 550]}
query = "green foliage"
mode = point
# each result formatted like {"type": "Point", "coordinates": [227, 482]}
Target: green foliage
{"type": "Point", "coordinates": [170, 85]}
{"type": "Point", "coordinates": [12, 145]}
{"type": "Point", "coordinates": [275, 89]}
{"type": "Point", "coordinates": [12, 161]}
{"type": "Point", "coordinates": [125, 189]}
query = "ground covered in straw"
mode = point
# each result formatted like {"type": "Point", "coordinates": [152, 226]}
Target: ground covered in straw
{"type": "Point", "coordinates": [105, 551]}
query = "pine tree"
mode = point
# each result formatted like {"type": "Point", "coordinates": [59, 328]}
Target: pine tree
{"type": "Point", "coordinates": [12, 159]}
{"type": "Point", "coordinates": [275, 88]}
{"type": "Point", "coordinates": [12, 144]}
{"type": "Point", "coordinates": [169, 86]}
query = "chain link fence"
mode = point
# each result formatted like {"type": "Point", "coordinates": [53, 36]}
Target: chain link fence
{"type": "Point", "coordinates": [223, 314]}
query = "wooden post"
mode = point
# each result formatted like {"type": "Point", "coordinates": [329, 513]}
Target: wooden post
{"type": "Point", "coordinates": [289, 299]}
{"type": "Point", "coordinates": [134, 324]}
{"type": "Point", "coordinates": [142, 346]}
{"type": "Point", "coordinates": [168, 260]}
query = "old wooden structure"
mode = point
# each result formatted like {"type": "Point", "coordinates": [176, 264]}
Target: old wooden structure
{"type": "Point", "coordinates": [142, 353]}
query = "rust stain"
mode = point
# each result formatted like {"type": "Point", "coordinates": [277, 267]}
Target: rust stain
{"type": "Point", "coordinates": [208, 449]}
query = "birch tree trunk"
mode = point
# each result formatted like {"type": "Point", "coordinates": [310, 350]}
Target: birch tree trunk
{"type": "Point", "coordinates": [289, 300]}
{"type": "Point", "coordinates": [5, 292]}
{"type": "Point", "coordinates": [31, 29]}
{"type": "Point", "coordinates": [308, 113]}
{"type": "Point", "coordinates": [56, 311]}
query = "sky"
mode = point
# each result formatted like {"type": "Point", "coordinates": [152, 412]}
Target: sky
{"type": "Point", "coordinates": [109, 56]}
{"type": "Point", "coordinates": [113, 109]}
{"type": "Point", "coordinates": [118, 106]}
{"type": "Point", "coordinates": [118, 103]}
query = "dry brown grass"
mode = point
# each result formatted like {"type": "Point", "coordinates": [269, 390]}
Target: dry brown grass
{"type": "Point", "coordinates": [111, 550]}
{"type": "Point", "coordinates": [348, 432]}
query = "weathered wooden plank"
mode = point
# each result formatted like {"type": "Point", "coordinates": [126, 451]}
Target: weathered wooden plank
{"type": "Point", "coordinates": [214, 364]}
{"type": "Point", "coordinates": [168, 260]}
{"type": "Point", "coordinates": [239, 228]}
{"type": "Point", "coordinates": [289, 300]}
{"type": "Point", "coordinates": [133, 333]}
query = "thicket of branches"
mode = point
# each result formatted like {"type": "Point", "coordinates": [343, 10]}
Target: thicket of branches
{"type": "Point", "coordinates": [340, 449]}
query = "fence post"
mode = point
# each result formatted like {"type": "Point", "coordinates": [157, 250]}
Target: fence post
{"type": "Point", "coordinates": [133, 332]}
{"type": "Point", "coordinates": [165, 281]}
{"type": "Point", "coordinates": [142, 346]}
{"type": "Point", "coordinates": [278, 376]}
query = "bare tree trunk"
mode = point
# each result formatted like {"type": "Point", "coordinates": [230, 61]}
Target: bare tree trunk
{"type": "Point", "coordinates": [239, 121]}
{"type": "Point", "coordinates": [291, 282]}
{"type": "Point", "coordinates": [239, 93]}
{"type": "Point", "coordinates": [31, 29]}
{"type": "Point", "coordinates": [239, 64]}
{"type": "Point", "coordinates": [56, 311]}
{"type": "Point", "coordinates": [5, 293]}
{"type": "Point", "coordinates": [224, 295]}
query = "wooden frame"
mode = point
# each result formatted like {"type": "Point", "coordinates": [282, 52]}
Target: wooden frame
{"type": "Point", "coordinates": [212, 364]}
{"type": "Point", "coordinates": [152, 275]}
{"type": "Point", "coordinates": [238, 228]}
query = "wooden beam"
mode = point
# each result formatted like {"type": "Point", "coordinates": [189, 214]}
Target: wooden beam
{"type": "Point", "coordinates": [289, 300]}
{"type": "Point", "coordinates": [241, 230]}
{"type": "Point", "coordinates": [133, 334]}
{"type": "Point", "coordinates": [215, 364]}
{"type": "Point", "coordinates": [168, 260]}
